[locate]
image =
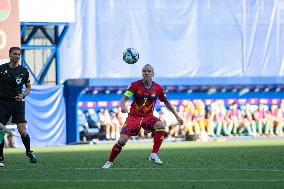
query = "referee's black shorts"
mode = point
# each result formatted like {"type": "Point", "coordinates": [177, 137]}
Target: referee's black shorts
{"type": "Point", "coordinates": [12, 108]}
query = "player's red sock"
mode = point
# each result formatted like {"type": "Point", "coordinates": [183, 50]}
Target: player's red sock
{"type": "Point", "coordinates": [116, 149]}
{"type": "Point", "coordinates": [158, 139]}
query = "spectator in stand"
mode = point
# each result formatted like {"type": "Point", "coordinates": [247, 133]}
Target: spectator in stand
{"type": "Point", "coordinates": [121, 117]}
{"type": "Point", "coordinates": [170, 121]}
{"type": "Point", "coordinates": [115, 124]}
{"type": "Point", "coordinates": [248, 123]}
{"type": "Point", "coordinates": [275, 120]}
{"type": "Point", "coordinates": [105, 122]}
{"type": "Point", "coordinates": [92, 119]}
{"type": "Point", "coordinates": [187, 127]}
{"type": "Point", "coordinates": [234, 119]}
{"type": "Point", "coordinates": [261, 118]}
{"type": "Point", "coordinates": [176, 130]}
{"type": "Point", "coordinates": [209, 120]}
{"type": "Point", "coordinates": [281, 110]}
{"type": "Point", "coordinates": [198, 117]}
{"type": "Point", "coordinates": [220, 118]}
{"type": "Point", "coordinates": [82, 124]}
{"type": "Point", "coordinates": [10, 138]}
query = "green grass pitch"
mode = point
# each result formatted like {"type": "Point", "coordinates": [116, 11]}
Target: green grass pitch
{"type": "Point", "coordinates": [232, 164]}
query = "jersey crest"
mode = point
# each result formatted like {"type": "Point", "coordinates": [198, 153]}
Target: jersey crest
{"type": "Point", "coordinates": [18, 80]}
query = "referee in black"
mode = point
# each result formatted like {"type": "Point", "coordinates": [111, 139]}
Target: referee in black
{"type": "Point", "coordinates": [12, 78]}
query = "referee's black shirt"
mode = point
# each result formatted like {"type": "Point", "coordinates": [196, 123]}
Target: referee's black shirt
{"type": "Point", "coordinates": [12, 81]}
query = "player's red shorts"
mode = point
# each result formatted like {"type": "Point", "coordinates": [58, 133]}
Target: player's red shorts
{"type": "Point", "coordinates": [133, 124]}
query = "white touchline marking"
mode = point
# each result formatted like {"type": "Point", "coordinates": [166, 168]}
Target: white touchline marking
{"type": "Point", "coordinates": [5, 169]}
{"type": "Point", "coordinates": [149, 168]}
{"type": "Point", "coordinates": [159, 180]}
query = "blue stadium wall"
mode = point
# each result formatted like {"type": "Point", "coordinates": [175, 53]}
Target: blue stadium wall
{"type": "Point", "coordinates": [78, 91]}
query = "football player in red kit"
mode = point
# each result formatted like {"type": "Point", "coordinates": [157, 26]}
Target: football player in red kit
{"type": "Point", "coordinates": [145, 93]}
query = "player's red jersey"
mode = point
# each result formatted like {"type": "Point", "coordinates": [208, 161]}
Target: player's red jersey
{"type": "Point", "coordinates": [144, 99]}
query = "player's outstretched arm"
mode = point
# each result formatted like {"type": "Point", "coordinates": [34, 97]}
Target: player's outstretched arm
{"type": "Point", "coordinates": [172, 109]}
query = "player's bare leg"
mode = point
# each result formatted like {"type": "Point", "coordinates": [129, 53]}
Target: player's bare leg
{"type": "Point", "coordinates": [116, 149]}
